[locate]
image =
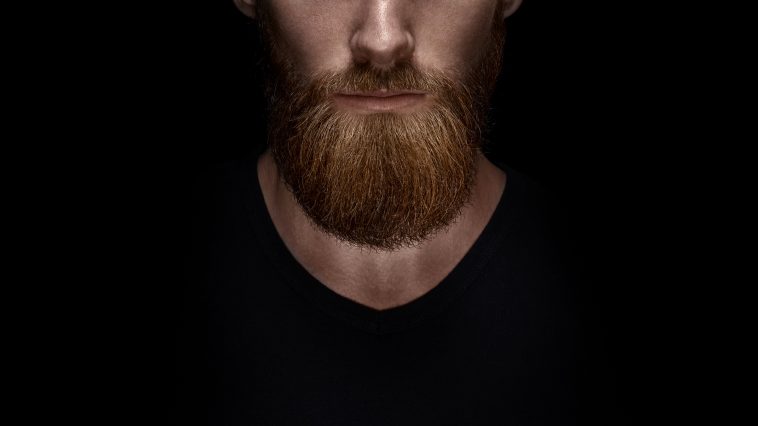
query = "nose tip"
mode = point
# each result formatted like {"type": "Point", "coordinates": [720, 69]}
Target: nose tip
{"type": "Point", "coordinates": [382, 50]}
{"type": "Point", "coordinates": [383, 39]}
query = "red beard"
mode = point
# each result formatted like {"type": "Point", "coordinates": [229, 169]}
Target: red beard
{"type": "Point", "coordinates": [383, 180]}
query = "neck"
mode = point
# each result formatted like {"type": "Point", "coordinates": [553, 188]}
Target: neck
{"type": "Point", "coordinates": [379, 279]}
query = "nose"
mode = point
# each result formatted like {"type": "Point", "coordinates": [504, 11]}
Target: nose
{"type": "Point", "coordinates": [383, 37]}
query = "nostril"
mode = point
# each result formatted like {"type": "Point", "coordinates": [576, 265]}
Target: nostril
{"type": "Point", "coordinates": [382, 48]}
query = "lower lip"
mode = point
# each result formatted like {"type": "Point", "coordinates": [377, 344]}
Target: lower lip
{"type": "Point", "coordinates": [380, 104]}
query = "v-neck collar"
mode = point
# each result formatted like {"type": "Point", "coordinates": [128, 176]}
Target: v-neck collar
{"type": "Point", "coordinates": [368, 319]}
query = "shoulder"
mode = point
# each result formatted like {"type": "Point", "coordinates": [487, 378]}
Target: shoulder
{"type": "Point", "coordinates": [537, 208]}
{"type": "Point", "coordinates": [221, 185]}
{"type": "Point", "coordinates": [545, 227]}
{"type": "Point", "coordinates": [215, 178]}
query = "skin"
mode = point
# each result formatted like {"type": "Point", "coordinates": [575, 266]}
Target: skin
{"type": "Point", "coordinates": [324, 35]}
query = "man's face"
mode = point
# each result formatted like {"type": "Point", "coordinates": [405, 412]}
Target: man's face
{"type": "Point", "coordinates": [377, 109]}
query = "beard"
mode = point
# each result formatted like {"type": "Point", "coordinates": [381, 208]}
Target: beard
{"type": "Point", "coordinates": [383, 180]}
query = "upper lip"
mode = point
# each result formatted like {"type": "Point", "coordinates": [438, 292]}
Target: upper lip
{"type": "Point", "coordinates": [384, 93]}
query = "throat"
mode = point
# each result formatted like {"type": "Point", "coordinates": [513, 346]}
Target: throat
{"type": "Point", "coordinates": [375, 278]}
{"type": "Point", "coordinates": [385, 287]}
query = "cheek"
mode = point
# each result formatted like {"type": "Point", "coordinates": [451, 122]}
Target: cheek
{"type": "Point", "coordinates": [449, 35]}
{"type": "Point", "coordinates": [312, 39]}
{"type": "Point", "coordinates": [456, 37]}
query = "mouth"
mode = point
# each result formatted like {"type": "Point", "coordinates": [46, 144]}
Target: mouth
{"type": "Point", "coordinates": [380, 100]}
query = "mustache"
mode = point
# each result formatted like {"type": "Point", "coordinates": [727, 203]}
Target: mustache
{"type": "Point", "coordinates": [367, 78]}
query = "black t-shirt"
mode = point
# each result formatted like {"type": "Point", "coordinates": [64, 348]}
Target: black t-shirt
{"type": "Point", "coordinates": [497, 341]}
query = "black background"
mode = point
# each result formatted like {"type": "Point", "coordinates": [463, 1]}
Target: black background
{"type": "Point", "coordinates": [567, 112]}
